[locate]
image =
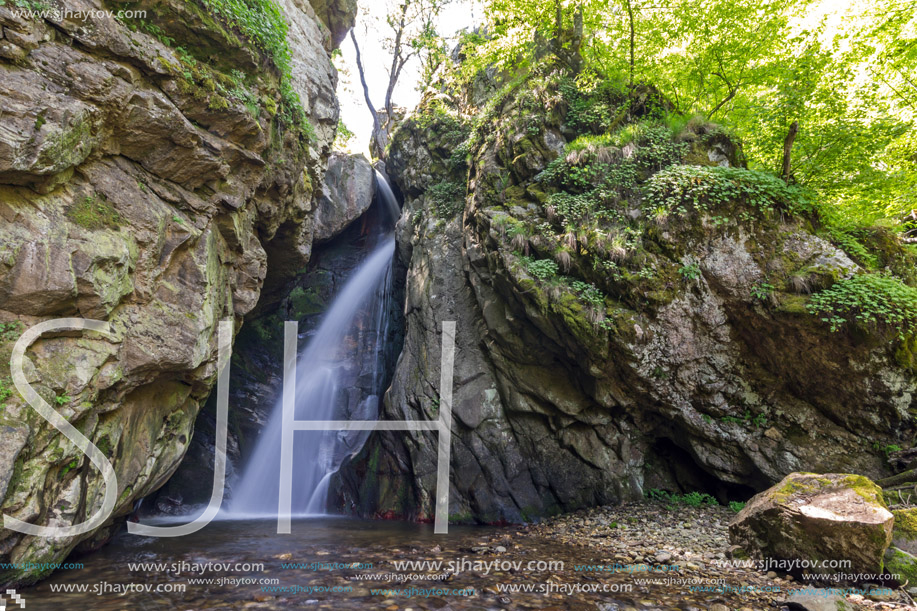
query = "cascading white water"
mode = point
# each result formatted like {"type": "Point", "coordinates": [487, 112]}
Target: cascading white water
{"type": "Point", "coordinates": [339, 377]}
{"type": "Point", "coordinates": [388, 198]}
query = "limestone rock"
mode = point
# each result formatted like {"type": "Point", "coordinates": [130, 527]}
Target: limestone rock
{"type": "Point", "coordinates": [139, 186]}
{"type": "Point", "coordinates": [337, 15]}
{"type": "Point", "coordinates": [809, 517]}
{"type": "Point", "coordinates": [348, 192]}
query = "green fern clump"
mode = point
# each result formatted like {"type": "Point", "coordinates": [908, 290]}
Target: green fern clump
{"type": "Point", "coordinates": [871, 298]}
{"type": "Point", "coordinates": [447, 198]}
{"type": "Point", "coordinates": [262, 22]}
{"type": "Point", "coordinates": [543, 269]}
{"type": "Point", "coordinates": [680, 188]}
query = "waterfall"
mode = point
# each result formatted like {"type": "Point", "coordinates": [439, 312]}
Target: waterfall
{"type": "Point", "coordinates": [388, 198]}
{"type": "Point", "coordinates": [340, 376]}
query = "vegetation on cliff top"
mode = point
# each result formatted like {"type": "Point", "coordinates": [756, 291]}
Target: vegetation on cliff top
{"type": "Point", "coordinates": [258, 24]}
{"type": "Point", "coordinates": [670, 149]}
{"type": "Point", "coordinates": [835, 87]}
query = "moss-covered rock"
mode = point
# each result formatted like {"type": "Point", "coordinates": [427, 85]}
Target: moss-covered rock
{"type": "Point", "coordinates": [149, 171]}
{"type": "Point", "coordinates": [628, 292]}
{"type": "Point", "coordinates": [808, 519]}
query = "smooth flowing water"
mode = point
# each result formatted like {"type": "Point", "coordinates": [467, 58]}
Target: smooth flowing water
{"type": "Point", "coordinates": [339, 377]}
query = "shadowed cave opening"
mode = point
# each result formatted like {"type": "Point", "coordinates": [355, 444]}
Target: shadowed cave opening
{"type": "Point", "coordinates": [673, 469]}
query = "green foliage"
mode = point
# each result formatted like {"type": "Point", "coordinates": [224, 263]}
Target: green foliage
{"type": "Point", "coordinates": [62, 399]}
{"type": "Point", "coordinates": [6, 391]}
{"type": "Point", "coordinates": [762, 290]}
{"type": "Point", "coordinates": [844, 75]}
{"type": "Point", "coordinates": [885, 449]}
{"type": "Point", "coordinates": [447, 198]}
{"type": "Point", "coordinates": [94, 213]}
{"type": "Point", "coordinates": [869, 298]}
{"type": "Point", "coordinates": [680, 188]}
{"type": "Point", "coordinates": [342, 136]}
{"type": "Point", "coordinates": [262, 22]}
{"type": "Point", "coordinates": [690, 271]}
{"type": "Point", "coordinates": [589, 293]}
{"type": "Point", "coordinates": [736, 506]}
{"type": "Point", "coordinates": [68, 468]}
{"type": "Point", "coordinates": [759, 421]}
{"type": "Point", "coordinates": [543, 269]}
{"type": "Point", "coordinates": [595, 108]}
{"type": "Point", "coordinates": [10, 331]}
{"type": "Point", "coordinates": [29, 5]}
{"type": "Point", "coordinates": [595, 178]}
{"type": "Point", "coordinates": [691, 499]}
{"type": "Point", "coordinates": [848, 242]}
{"type": "Point", "coordinates": [452, 132]}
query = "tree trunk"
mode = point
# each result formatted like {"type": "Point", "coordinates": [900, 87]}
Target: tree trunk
{"type": "Point", "coordinates": [397, 61]}
{"type": "Point", "coordinates": [630, 18]}
{"type": "Point", "coordinates": [787, 149]}
{"type": "Point", "coordinates": [377, 128]}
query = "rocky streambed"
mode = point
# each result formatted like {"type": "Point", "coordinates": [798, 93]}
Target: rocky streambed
{"type": "Point", "coordinates": [646, 555]}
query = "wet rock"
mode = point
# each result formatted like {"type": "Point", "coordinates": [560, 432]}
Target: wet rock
{"type": "Point", "coordinates": [135, 190]}
{"type": "Point", "coordinates": [560, 403]}
{"type": "Point", "coordinates": [820, 600]}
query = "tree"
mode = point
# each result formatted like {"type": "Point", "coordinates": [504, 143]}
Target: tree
{"type": "Point", "coordinates": [757, 67]}
{"type": "Point", "coordinates": [412, 33]}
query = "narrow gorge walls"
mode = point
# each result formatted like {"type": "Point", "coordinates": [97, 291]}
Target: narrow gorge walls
{"type": "Point", "coordinates": [634, 311]}
{"type": "Point", "coordinates": [152, 171]}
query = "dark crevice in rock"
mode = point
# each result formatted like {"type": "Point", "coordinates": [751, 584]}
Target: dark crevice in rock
{"type": "Point", "coordinates": [671, 468]}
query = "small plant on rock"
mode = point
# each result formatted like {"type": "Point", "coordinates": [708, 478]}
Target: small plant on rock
{"type": "Point", "coordinates": [690, 271]}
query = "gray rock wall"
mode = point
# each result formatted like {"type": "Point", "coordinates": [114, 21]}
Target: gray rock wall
{"type": "Point", "coordinates": [147, 178]}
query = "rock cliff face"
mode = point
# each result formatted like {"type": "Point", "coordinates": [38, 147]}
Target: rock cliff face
{"type": "Point", "coordinates": [342, 216]}
{"type": "Point", "coordinates": [152, 170]}
{"type": "Point", "coordinates": [631, 308]}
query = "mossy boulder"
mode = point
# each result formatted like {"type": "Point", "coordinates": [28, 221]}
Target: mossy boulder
{"type": "Point", "coordinates": [904, 535]}
{"type": "Point", "coordinates": [901, 563]}
{"type": "Point", "coordinates": [812, 518]}
{"type": "Point", "coordinates": [901, 556]}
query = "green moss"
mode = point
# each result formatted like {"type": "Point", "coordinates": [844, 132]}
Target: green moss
{"type": "Point", "coordinates": [793, 486]}
{"type": "Point", "coordinates": [67, 147]}
{"type": "Point", "coordinates": [305, 302]}
{"type": "Point", "coordinates": [464, 517]}
{"type": "Point", "coordinates": [905, 524]}
{"type": "Point", "coordinates": [104, 445]}
{"type": "Point", "coordinates": [864, 487]}
{"type": "Point", "coordinates": [217, 102]}
{"type": "Point", "coordinates": [68, 468]}
{"type": "Point", "coordinates": [793, 304]}
{"type": "Point", "coordinates": [446, 198]}
{"type": "Point", "coordinates": [902, 563]}
{"type": "Point", "coordinates": [94, 213]}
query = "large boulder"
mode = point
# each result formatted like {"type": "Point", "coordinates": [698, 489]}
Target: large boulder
{"type": "Point", "coordinates": [810, 518]}
{"type": "Point", "coordinates": [349, 187]}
